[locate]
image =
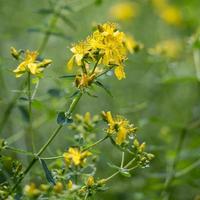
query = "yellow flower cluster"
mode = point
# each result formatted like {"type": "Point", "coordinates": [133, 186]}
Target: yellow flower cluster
{"type": "Point", "coordinates": [118, 125]}
{"type": "Point", "coordinates": [169, 13]}
{"type": "Point", "coordinates": [31, 64]}
{"type": "Point", "coordinates": [31, 190]}
{"type": "Point", "coordinates": [124, 11]}
{"type": "Point", "coordinates": [75, 157]}
{"type": "Point", "coordinates": [169, 48]}
{"type": "Point", "coordinates": [106, 46]}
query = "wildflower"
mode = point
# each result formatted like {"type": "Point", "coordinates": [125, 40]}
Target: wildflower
{"type": "Point", "coordinates": [105, 46]}
{"type": "Point", "coordinates": [84, 80]}
{"type": "Point", "coordinates": [79, 50]}
{"type": "Point", "coordinates": [69, 185]}
{"type": "Point", "coordinates": [76, 157]}
{"type": "Point", "coordinates": [58, 187]}
{"type": "Point", "coordinates": [119, 126]}
{"type": "Point", "coordinates": [90, 181]}
{"type": "Point", "coordinates": [44, 187]}
{"type": "Point", "coordinates": [31, 190]}
{"type": "Point", "coordinates": [124, 11]}
{"type": "Point", "coordinates": [171, 15]}
{"type": "Point", "coordinates": [15, 53]}
{"type": "Point", "coordinates": [31, 64]}
{"type": "Point", "coordinates": [169, 48]}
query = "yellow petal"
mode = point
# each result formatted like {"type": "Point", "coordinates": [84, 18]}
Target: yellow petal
{"type": "Point", "coordinates": [119, 72]}
{"type": "Point", "coordinates": [121, 136]}
{"type": "Point", "coordinates": [70, 63]}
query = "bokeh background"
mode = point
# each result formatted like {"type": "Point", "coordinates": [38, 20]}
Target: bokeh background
{"type": "Point", "coordinates": [161, 93]}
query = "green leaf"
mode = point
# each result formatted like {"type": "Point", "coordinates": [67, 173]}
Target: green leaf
{"type": "Point", "coordinates": [48, 174]}
{"type": "Point", "coordinates": [113, 166]}
{"type": "Point", "coordinates": [99, 84]}
{"type": "Point", "coordinates": [74, 94]}
{"type": "Point", "coordinates": [91, 95]}
{"type": "Point", "coordinates": [98, 2]}
{"type": "Point", "coordinates": [45, 11]}
{"type": "Point", "coordinates": [62, 119]}
{"type": "Point", "coordinates": [24, 112]}
{"type": "Point", "coordinates": [125, 172]}
{"type": "Point", "coordinates": [68, 76]}
{"type": "Point", "coordinates": [54, 92]}
{"type": "Point", "coordinates": [68, 8]}
{"type": "Point", "coordinates": [68, 21]}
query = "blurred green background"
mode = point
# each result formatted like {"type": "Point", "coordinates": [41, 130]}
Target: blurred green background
{"type": "Point", "coordinates": [160, 95]}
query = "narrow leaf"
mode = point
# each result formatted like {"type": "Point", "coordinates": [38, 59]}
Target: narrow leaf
{"type": "Point", "coordinates": [68, 76]}
{"type": "Point", "coordinates": [68, 21]}
{"type": "Point", "coordinates": [48, 174]}
{"type": "Point", "coordinates": [99, 84]}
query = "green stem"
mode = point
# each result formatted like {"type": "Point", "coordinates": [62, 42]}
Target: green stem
{"type": "Point", "coordinates": [19, 151]}
{"type": "Point", "coordinates": [51, 158]}
{"type": "Point", "coordinates": [95, 66]}
{"type": "Point", "coordinates": [73, 104]}
{"type": "Point", "coordinates": [104, 72]}
{"type": "Point", "coordinates": [117, 172]}
{"type": "Point", "coordinates": [10, 107]}
{"type": "Point", "coordinates": [171, 175]}
{"type": "Point", "coordinates": [30, 112]}
{"type": "Point", "coordinates": [43, 148]}
{"type": "Point", "coordinates": [188, 169]}
{"type": "Point", "coordinates": [122, 161]}
{"type": "Point", "coordinates": [35, 90]}
{"type": "Point", "coordinates": [94, 144]}
{"type": "Point", "coordinates": [196, 58]}
{"type": "Point", "coordinates": [52, 25]}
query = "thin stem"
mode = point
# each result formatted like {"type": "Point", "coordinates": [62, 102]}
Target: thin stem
{"type": "Point", "coordinates": [122, 161]}
{"type": "Point", "coordinates": [104, 72]}
{"type": "Point", "coordinates": [96, 143]}
{"type": "Point", "coordinates": [35, 90]}
{"type": "Point", "coordinates": [95, 66]}
{"type": "Point", "coordinates": [52, 25]}
{"type": "Point", "coordinates": [196, 58]}
{"type": "Point", "coordinates": [43, 148]}
{"type": "Point", "coordinates": [10, 107]}
{"type": "Point", "coordinates": [73, 104]}
{"type": "Point", "coordinates": [51, 158]}
{"type": "Point", "coordinates": [19, 151]}
{"type": "Point", "coordinates": [188, 169]}
{"type": "Point", "coordinates": [126, 166]}
{"type": "Point", "coordinates": [171, 175]}
{"type": "Point", "coordinates": [30, 112]}
{"type": "Point", "coordinates": [86, 196]}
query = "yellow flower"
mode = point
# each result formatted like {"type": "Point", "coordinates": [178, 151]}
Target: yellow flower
{"type": "Point", "coordinates": [84, 80]}
{"type": "Point", "coordinates": [69, 185]}
{"type": "Point", "coordinates": [58, 187]}
{"type": "Point", "coordinates": [79, 50]}
{"type": "Point", "coordinates": [30, 64]}
{"type": "Point", "coordinates": [171, 15]}
{"type": "Point", "coordinates": [90, 181]}
{"type": "Point", "coordinates": [31, 190]}
{"type": "Point", "coordinates": [159, 4]}
{"type": "Point", "coordinates": [124, 11]}
{"type": "Point", "coordinates": [119, 126]}
{"type": "Point", "coordinates": [119, 72]}
{"type": "Point", "coordinates": [76, 157]}
{"type": "Point", "coordinates": [105, 46]}
{"type": "Point", "coordinates": [169, 48]}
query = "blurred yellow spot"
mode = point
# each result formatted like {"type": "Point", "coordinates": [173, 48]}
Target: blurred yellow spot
{"type": "Point", "coordinates": [31, 190]}
{"type": "Point", "coordinates": [124, 11]}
